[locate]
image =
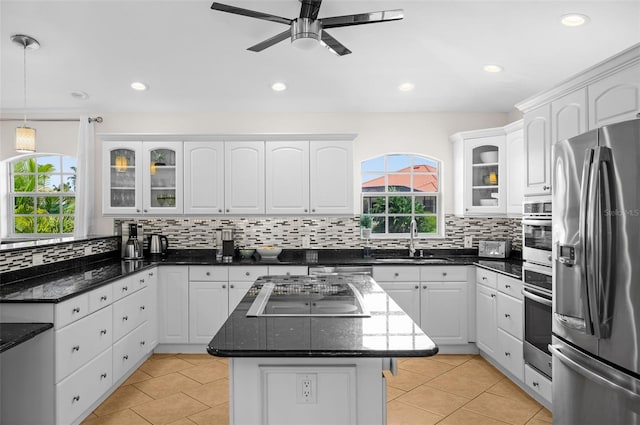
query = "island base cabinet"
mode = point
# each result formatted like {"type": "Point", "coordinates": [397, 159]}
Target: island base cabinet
{"type": "Point", "coordinates": [306, 391]}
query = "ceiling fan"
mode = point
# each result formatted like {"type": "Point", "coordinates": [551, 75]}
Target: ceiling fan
{"type": "Point", "coordinates": [308, 29]}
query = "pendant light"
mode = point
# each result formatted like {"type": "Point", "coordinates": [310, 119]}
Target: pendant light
{"type": "Point", "coordinates": [25, 136]}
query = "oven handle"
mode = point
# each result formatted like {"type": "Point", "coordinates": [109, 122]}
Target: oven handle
{"type": "Point", "coordinates": [527, 293]}
{"type": "Point", "coordinates": [527, 221]}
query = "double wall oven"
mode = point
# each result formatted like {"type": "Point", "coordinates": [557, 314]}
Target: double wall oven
{"type": "Point", "coordinates": [537, 279]}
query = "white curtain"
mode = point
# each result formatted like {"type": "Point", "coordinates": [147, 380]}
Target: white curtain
{"type": "Point", "coordinates": [85, 178]}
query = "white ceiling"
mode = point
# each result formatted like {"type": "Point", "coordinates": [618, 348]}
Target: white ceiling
{"type": "Point", "coordinates": [195, 59]}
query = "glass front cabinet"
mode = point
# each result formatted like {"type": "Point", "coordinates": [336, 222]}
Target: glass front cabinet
{"type": "Point", "coordinates": [142, 178]}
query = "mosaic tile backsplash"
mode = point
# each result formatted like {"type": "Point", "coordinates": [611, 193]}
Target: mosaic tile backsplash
{"type": "Point", "coordinates": [322, 232]}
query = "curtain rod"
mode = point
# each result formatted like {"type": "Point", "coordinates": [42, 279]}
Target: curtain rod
{"type": "Point", "coordinates": [96, 119]}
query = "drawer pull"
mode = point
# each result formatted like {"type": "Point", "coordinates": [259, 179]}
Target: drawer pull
{"type": "Point", "coordinates": [103, 298]}
{"type": "Point", "coordinates": [142, 342]}
{"type": "Point", "coordinates": [535, 384]}
{"type": "Point", "coordinates": [444, 274]}
{"type": "Point", "coordinates": [424, 286]}
{"type": "Point", "coordinates": [484, 278]}
{"type": "Point", "coordinates": [125, 288]}
{"type": "Point", "coordinates": [141, 281]}
{"type": "Point", "coordinates": [75, 398]}
{"type": "Point", "coordinates": [208, 273]}
{"type": "Point", "coordinates": [150, 274]}
{"type": "Point", "coordinates": [125, 357]}
{"type": "Point", "coordinates": [493, 295]}
{"type": "Point", "coordinates": [247, 273]}
{"type": "Point", "coordinates": [417, 287]}
{"type": "Point", "coordinates": [396, 274]}
{"type": "Point", "coordinates": [75, 348]}
{"type": "Point", "coordinates": [231, 286]}
{"type": "Point", "coordinates": [75, 310]}
{"type": "Point", "coordinates": [103, 376]}
{"type": "Point", "coordinates": [224, 286]}
{"type": "Point", "coordinates": [508, 354]}
{"type": "Point", "coordinates": [103, 332]}
{"type": "Point", "coordinates": [125, 318]}
{"type": "Point", "coordinates": [141, 307]}
{"type": "Point", "coordinates": [507, 315]}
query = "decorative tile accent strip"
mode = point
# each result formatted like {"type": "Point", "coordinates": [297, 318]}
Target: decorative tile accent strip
{"type": "Point", "coordinates": [23, 258]}
{"type": "Point", "coordinates": [323, 232]}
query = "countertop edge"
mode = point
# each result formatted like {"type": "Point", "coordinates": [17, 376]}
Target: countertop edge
{"type": "Point", "coordinates": [23, 336]}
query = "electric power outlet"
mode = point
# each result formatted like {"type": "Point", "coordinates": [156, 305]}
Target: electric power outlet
{"type": "Point", "coordinates": [306, 241]}
{"type": "Point", "coordinates": [306, 385]}
{"type": "Point", "coordinates": [37, 259]}
{"type": "Point", "coordinates": [468, 241]}
{"type": "Point", "coordinates": [87, 250]}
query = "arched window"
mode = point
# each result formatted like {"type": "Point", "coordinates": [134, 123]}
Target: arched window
{"type": "Point", "coordinates": [398, 188]}
{"type": "Point", "coordinates": [42, 195]}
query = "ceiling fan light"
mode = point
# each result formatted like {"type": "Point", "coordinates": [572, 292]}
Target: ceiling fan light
{"type": "Point", "coordinates": [25, 139]}
{"type": "Point", "coordinates": [574, 19]}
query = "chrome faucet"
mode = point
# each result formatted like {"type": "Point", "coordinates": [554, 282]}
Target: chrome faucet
{"type": "Point", "coordinates": [413, 232]}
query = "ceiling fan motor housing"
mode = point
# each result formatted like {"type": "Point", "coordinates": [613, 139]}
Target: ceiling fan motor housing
{"type": "Point", "coordinates": [302, 28]}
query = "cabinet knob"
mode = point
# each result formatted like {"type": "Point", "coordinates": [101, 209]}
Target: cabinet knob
{"type": "Point", "coordinates": [396, 274]}
{"type": "Point", "coordinates": [208, 273]}
{"type": "Point", "coordinates": [444, 273]}
{"type": "Point", "coordinates": [75, 348]}
{"type": "Point", "coordinates": [546, 187]}
{"type": "Point", "coordinates": [484, 278]}
{"type": "Point", "coordinates": [150, 274]}
{"type": "Point", "coordinates": [125, 318]}
{"type": "Point", "coordinates": [103, 298]}
{"type": "Point", "coordinates": [75, 398]}
{"type": "Point", "coordinates": [103, 332]}
{"type": "Point", "coordinates": [536, 384]}
{"type": "Point", "coordinates": [137, 211]}
{"type": "Point", "coordinates": [76, 310]}
{"type": "Point", "coordinates": [227, 210]}
{"type": "Point", "coordinates": [424, 286]}
{"type": "Point", "coordinates": [508, 354]}
{"type": "Point", "coordinates": [142, 342]}
{"type": "Point", "coordinates": [145, 210]}
{"type": "Point", "coordinates": [507, 315]}
{"type": "Point", "coordinates": [305, 210]}
{"type": "Point", "coordinates": [493, 295]}
{"type": "Point", "coordinates": [247, 273]}
{"type": "Point", "coordinates": [507, 286]}
{"type": "Point", "coordinates": [125, 357]}
{"type": "Point", "coordinates": [141, 307]}
{"type": "Point", "coordinates": [141, 281]}
{"type": "Point", "coordinates": [220, 210]}
{"type": "Point", "coordinates": [417, 287]}
{"type": "Point", "coordinates": [231, 286]}
{"type": "Point", "coordinates": [224, 286]}
{"type": "Point", "coordinates": [313, 210]}
{"type": "Point", "coordinates": [125, 288]}
{"type": "Point", "coordinates": [103, 376]}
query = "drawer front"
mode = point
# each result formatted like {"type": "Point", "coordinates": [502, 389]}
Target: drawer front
{"type": "Point", "coordinates": [510, 354]}
{"type": "Point", "coordinates": [209, 273]}
{"type": "Point", "coordinates": [100, 298]}
{"type": "Point", "coordinates": [510, 315]}
{"type": "Point", "coordinates": [123, 287]}
{"type": "Point", "coordinates": [486, 277]}
{"type": "Point", "coordinates": [71, 310]}
{"type": "Point", "coordinates": [247, 274]}
{"type": "Point", "coordinates": [79, 391]}
{"type": "Point", "coordinates": [139, 280]}
{"type": "Point", "coordinates": [510, 286]}
{"type": "Point", "coordinates": [130, 312]}
{"type": "Point", "coordinates": [396, 274]}
{"type": "Point", "coordinates": [129, 350]}
{"type": "Point", "coordinates": [79, 342]}
{"type": "Point", "coordinates": [443, 274]}
{"type": "Point", "coordinates": [288, 270]}
{"type": "Point", "coordinates": [538, 382]}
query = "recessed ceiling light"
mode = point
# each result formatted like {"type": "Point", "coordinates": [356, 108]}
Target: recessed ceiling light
{"type": "Point", "coordinates": [80, 95]}
{"type": "Point", "coordinates": [492, 68]}
{"type": "Point", "coordinates": [279, 86]}
{"type": "Point", "coordinates": [574, 19]}
{"type": "Point", "coordinates": [406, 87]}
{"type": "Point", "coordinates": [137, 85]}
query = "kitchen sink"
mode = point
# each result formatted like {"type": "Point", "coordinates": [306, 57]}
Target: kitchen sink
{"type": "Point", "coordinates": [414, 260]}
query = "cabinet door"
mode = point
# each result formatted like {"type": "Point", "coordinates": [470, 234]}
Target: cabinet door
{"type": "Point", "coordinates": [510, 354]}
{"type": "Point", "coordinates": [162, 180]}
{"type": "Point", "coordinates": [406, 295]}
{"type": "Point", "coordinates": [203, 177]}
{"type": "Point", "coordinates": [152, 315]}
{"type": "Point", "coordinates": [537, 151]}
{"type": "Point", "coordinates": [331, 177]}
{"type": "Point", "coordinates": [486, 325]}
{"type": "Point", "coordinates": [515, 172]}
{"type": "Point", "coordinates": [173, 304]}
{"type": "Point", "coordinates": [615, 98]}
{"type": "Point", "coordinates": [444, 312]}
{"type": "Point", "coordinates": [569, 115]}
{"type": "Point", "coordinates": [287, 177]}
{"type": "Point", "coordinates": [122, 178]}
{"type": "Point", "coordinates": [484, 179]}
{"type": "Point", "coordinates": [207, 310]}
{"type": "Point", "coordinates": [244, 177]}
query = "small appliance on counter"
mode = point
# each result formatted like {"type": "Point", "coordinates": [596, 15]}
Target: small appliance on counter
{"type": "Point", "coordinates": [228, 246]}
{"type": "Point", "coordinates": [132, 241]}
{"type": "Point", "coordinates": [494, 248]}
{"type": "Point", "coordinates": [158, 244]}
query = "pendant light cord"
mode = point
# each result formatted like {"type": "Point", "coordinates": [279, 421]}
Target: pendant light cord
{"type": "Point", "coordinates": [24, 79]}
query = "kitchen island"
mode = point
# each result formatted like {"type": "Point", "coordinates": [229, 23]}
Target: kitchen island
{"type": "Point", "coordinates": [312, 349]}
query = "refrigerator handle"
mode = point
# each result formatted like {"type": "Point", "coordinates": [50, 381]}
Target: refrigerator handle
{"type": "Point", "coordinates": [616, 383]}
{"type": "Point", "coordinates": [585, 276]}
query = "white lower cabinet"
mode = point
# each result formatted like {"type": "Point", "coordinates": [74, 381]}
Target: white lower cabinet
{"type": "Point", "coordinates": [129, 350]}
{"type": "Point", "coordinates": [406, 295]}
{"type": "Point", "coordinates": [76, 393]}
{"type": "Point", "coordinates": [173, 305]}
{"type": "Point", "coordinates": [538, 383]}
{"type": "Point", "coordinates": [509, 354]}
{"type": "Point", "coordinates": [486, 323]}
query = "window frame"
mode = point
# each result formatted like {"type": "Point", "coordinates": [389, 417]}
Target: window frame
{"type": "Point", "coordinates": [438, 195]}
{"type": "Point", "coordinates": [61, 175]}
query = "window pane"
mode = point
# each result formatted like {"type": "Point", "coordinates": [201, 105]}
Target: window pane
{"type": "Point", "coordinates": [52, 163]}
{"type": "Point", "coordinates": [69, 183]}
{"type": "Point", "coordinates": [399, 204]}
{"type": "Point", "coordinates": [23, 205]}
{"type": "Point", "coordinates": [426, 204]}
{"type": "Point", "coordinates": [373, 183]}
{"type": "Point", "coordinates": [374, 205]}
{"type": "Point", "coordinates": [68, 205]}
{"type": "Point", "coordinates": [399, 163]}
{"type": "Point", "coordinates": [378, 225]}
{"type": "Point", "coordinates": [399, 182]}
{"type": "Point", "coordinates": [373, 165]}
{"type": "Point", "coordinates": [69, 164]}
{"type": "Point", "coordinates": [24, 166]}
{"type": "Point", "coordinates": [24, 183]}
{"type": "Point", "coordinates": [50, 183]}
{"type": "Point", "coordinates": [67, 224]}
{"type": "Point", "coordinates": [48, 224]}
{"type": "Point", "coordinates": [425, 183]}
{"type": "Point", "coordinates": [427, 224]}
{"type": "Point", "coordinates": [23, 224]}
{"type": "Point", "coordinates": [421, 163]}
{"type": "Point", "coordinates": [399, 224]}
{"type": "Point", "coordinates": [48, 205]}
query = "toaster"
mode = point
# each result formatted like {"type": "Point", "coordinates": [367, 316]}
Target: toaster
{"type": "Point", "coordinates": [494, 248]}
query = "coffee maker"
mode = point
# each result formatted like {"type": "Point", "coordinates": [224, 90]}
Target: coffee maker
{"type": "Point", "coordinates": [228, 245]}
{"type": "Point", "coordinates": [132, 241]}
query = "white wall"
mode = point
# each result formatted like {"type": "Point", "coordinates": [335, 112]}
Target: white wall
{"type": "Point", "coordinates": [51, 137]}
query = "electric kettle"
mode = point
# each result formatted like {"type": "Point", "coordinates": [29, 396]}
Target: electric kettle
{"type": "Point", "coordinates": [158, 244]}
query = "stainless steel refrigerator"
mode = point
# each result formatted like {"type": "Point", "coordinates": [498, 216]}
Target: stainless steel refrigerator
{"type": "Point", "coordinates": [596, 278]}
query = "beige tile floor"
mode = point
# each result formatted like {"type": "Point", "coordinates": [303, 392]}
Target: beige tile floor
{"type": "Point", "coordinates": [188, 389]}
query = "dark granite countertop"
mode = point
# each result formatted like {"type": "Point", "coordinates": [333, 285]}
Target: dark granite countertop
{"type": "Point", "coordinates": [511, 267]}
{"type": "Point", "coordinates": [13, 334]}
{"type": "Point", "coordinates": [388, 332]}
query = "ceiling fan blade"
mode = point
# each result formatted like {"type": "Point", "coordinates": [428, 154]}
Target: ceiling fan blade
{"type": "Point", "coordinates": [310, 9]}
{"type": "Point", "coordinates": [362, 18]}
{"type": "Point", "coordinates": [334, 45]}
{"type": "Point", "coordinates": [250, 13]}
{"type": "Point", "coordinates": [271, 41]}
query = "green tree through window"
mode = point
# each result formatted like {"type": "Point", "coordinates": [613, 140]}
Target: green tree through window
{"type": "Point", "coordinates": [42, 193]}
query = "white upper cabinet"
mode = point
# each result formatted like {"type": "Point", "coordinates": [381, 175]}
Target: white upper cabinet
{"type": "Point", "coordinates": [121, 178]}
{"type": "Point", "coordinates": [331, 177]}
{"type": "Point", "coordinates": [287, 177]}
{"type": "Point", "coordinates": [244, 177]}
{"type": "Point", "coordinates": [203, 178]}
{"type": "Point", "coordinates": [569, 115]}
{"type": "Point", "coordinates": [537, 150]}
{"type": "Point", "coordinates": [162, 181]}
{"type": "Point", "coordinates": [515, 172]}
{"type": "Point", "coordinates": [615, 98]}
